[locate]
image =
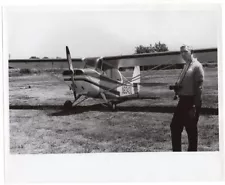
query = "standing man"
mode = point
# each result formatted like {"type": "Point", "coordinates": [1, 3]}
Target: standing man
{"type": "Point", "coordinates": [189, 90]}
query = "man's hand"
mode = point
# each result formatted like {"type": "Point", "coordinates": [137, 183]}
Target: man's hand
{"type": "Point", "coordinates": [175, 87]}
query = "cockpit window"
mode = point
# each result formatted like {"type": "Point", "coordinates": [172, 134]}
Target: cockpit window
{"type": "Point", "coordinates": [99, 65]}
{"type": "Point", "coordinates": [111, 72]}
{"type": "Point", "coordinates": [90, 63]}
{"type": "Point", "coordinates": [106, 66]}
{"type": "Point", "coordinates": [103, 67]}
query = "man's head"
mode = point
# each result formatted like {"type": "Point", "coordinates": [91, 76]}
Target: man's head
{"type": "Point", "coordinates": [186, 52]}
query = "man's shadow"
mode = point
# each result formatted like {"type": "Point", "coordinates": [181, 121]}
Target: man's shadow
{"type": "Point", "coordinates": [121, 108]}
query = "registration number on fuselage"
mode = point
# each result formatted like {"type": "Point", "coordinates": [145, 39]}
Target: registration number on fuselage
{"type": "Point", "coordinates": [126, 90]}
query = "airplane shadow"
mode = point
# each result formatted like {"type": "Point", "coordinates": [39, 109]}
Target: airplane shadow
{"type": "Point", "coordinates": [156, 109]}
{"type": "Point", "coordinates": [101, 108]}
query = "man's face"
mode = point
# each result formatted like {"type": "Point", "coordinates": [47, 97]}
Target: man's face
{"type": "Point", "coordinates": [185, 53]}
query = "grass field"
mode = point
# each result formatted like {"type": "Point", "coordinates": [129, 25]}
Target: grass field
{"type": "Point", "coordinates": [38, 125]}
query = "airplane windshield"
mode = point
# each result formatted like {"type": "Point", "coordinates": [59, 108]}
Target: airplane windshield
{"type": "Point", "coordinates": [99, 65]}
{"type": "Point", "coordinates": [103, 68]}
{"type": "Point", "coordinates": [90, 63]}
{"type": "Point", "coordinates": [111, 72]}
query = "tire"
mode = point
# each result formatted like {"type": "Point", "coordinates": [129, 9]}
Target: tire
{"type": "Point", "coordinates": [113, 107]}
{"type": "Point", "coordinates": [68, 105]}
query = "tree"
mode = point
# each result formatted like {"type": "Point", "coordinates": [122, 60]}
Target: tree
{"type": "Point", "coordinates": [141, 49]}
{"type": "Point", "coordinates": [34, 57]}
{"type": "Point", "coordinates": [158, 47]}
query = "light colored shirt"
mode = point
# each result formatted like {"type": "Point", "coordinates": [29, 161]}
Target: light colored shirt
{"type": "Point", "coordinates": [183, 73]}
{"type": "Point", "coordinates": [192, 79]}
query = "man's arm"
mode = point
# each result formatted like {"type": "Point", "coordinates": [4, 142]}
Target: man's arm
{"type": "Point", "coordinates": [198, 83]}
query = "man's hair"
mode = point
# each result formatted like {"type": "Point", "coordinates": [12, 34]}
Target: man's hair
{"type": "Point", "coordinates": [188, 48]}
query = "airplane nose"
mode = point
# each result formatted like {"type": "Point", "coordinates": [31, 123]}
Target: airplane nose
{"type": "Point", "coordinates": [78, 72]}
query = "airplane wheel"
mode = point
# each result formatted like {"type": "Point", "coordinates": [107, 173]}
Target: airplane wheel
{"type": "Point", "coordinates": [114, 107]}
{"type": "Point", "coordinates": [68, 105]}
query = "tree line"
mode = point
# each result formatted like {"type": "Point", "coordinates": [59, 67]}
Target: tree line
{"type": "Point", "coordinates": [157, 47]}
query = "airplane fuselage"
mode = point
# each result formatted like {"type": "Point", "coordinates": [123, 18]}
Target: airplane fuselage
{"type": "Point", "coordinates": [91, 83]}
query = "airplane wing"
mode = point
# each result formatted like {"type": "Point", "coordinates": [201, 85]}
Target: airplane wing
{"type": "Point", "coordinates": [44, 63]}
{"type": "Point", "coordinates": [160, 58]}
{"type": "Point", "coordinates": [149, 59]}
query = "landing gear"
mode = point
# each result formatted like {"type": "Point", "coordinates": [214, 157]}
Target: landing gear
{"type": "Point", "coordinates": [68, 105]}
{"type": "Point", "coordinates": [113, 106]}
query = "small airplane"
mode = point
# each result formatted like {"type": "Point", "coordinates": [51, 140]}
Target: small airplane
{"type": "Point", "coordinates": [101, 80]}
{"type": "Point", "coordinates": [100, 77]}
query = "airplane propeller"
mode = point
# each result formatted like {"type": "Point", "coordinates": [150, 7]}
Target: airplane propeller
{"type": "Point", "coordinates": [68, 56]}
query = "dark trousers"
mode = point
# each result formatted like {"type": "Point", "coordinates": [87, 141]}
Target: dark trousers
{"type": "Point", "coordinates": [181, 119]}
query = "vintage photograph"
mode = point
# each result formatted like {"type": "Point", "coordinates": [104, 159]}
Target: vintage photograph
{"type": "Point", "coordinates": [112, 80]}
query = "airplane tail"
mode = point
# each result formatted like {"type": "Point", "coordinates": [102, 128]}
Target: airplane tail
{"type": "Point", "coordinates": [136, 79]}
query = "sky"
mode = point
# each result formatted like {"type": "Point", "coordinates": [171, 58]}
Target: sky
{"type": "Point", "coordinates": [44, 31]}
